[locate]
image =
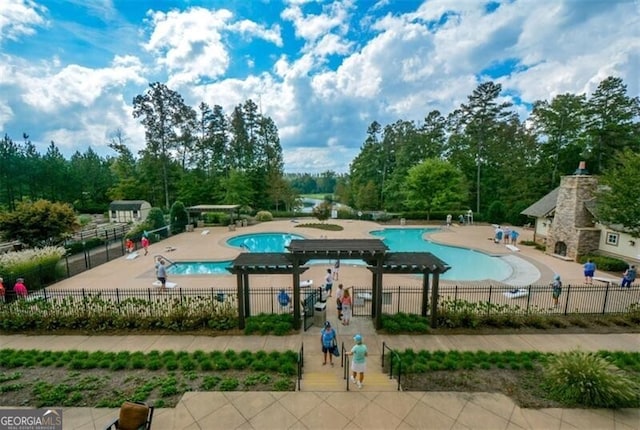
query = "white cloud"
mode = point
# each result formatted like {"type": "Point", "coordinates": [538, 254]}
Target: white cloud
{"type": "Point", "coordinates": [19, 18]}
{"type": "Point", "coordinates": [335, 17]}
{"type": "Point", "coordinates": [49, 90]}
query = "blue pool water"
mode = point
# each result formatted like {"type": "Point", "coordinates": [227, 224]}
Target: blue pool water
{"type": "Point", "coordinates": [263, 242]}
{"type": "Point", "coordinates": [465, 264]}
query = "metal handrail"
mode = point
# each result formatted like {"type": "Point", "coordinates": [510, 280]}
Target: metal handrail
{"type": "Point", "coordinates": [155, 258]}
{"type": "Point", "coordinates": [397, 357]}
{"type": "Point", "coordinates": [300, 363]}
{"type": "Point", "coordinates": [345, 365]}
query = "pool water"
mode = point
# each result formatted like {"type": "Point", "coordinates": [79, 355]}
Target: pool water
{"type": "Point", "coordinates": [466, 264]}
{"type": "Point", "coordinates": [263, 242]}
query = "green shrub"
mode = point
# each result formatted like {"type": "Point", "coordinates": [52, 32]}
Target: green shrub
{"type": "Point", "coordinates": [264, 216]}
{"type": "Point", "coordinates": [404, 323]}
{"type": "Point", "coordinates": [277, 324]}
{"type": "Point", "coordinates": [585, 379]}
{"type": "Point", "coordinates": [216, 218]}
{"type": "Point", "coordinates": [179, 217]}
{"type": "Point", "coordinates": [602, 262]}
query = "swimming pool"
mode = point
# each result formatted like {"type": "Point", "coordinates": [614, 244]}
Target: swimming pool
{"type": "Point", "coordinates": [263, 242]}
{"type": "Point", "coordinates": [466, 264]}
{"type": "Point", "coordinates": [257, 242]}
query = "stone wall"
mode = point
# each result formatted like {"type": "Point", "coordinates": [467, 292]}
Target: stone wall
{"type": "Point", "coordinates": [572, 223]}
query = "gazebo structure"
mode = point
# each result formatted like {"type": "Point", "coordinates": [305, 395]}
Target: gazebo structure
{"type": "Point", "coordinates": [372, 251]}
{"type": "Point", "coordinates": [199, 209]}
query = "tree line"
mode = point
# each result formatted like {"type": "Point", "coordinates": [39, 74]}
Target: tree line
{"type": "Point", "coordinates": [484, 157]}
{"type": "Point", "coordinates": [481, 156]}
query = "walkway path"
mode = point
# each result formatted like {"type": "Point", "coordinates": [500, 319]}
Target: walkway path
{"type": "Point", "coordinates": [375, 406]}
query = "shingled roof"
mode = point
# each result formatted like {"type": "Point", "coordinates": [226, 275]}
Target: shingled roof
{"type": "Point", "coordinates": [543, 207]}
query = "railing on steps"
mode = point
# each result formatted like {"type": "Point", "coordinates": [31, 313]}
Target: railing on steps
{"type": "Point", "coordinates": [344, 363]}
{"type": "Point", "coordinates": [392, 355]}
{"type": "Point", "coordinates": [300, 363]}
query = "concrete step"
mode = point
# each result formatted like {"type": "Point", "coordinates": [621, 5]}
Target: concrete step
{"type": "Point", "coordinates": [325, 381]}
{"type": "Point", "coordinates": [332, 381]}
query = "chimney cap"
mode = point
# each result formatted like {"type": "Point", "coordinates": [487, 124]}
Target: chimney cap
{"type": "Point", "coordinates": [582, 169]}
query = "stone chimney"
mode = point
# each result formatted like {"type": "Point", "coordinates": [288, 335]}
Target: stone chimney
{"type": "Point", "coordinates": [572, 231]}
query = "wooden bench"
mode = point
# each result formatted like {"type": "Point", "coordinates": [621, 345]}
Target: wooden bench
{"type": "Point", "coordinates": [607, 281]}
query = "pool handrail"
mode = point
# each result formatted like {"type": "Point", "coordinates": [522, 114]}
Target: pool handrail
{"type": "Point", "coordinates": [155, 258]}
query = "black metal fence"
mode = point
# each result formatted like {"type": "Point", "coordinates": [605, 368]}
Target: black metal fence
{"type": "Point", "coordinates": [491, 299]}
{"type": "Point", "coordinates": [86, 259]}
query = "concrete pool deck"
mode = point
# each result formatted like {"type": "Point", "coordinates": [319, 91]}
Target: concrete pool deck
{"type": "Point", "coordinates": [209, 244]}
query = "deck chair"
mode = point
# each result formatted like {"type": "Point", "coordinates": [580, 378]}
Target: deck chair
{"type": "Point", "coordinates": [133, 416]}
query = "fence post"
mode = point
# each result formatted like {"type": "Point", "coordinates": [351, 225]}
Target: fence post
{"type": "Point", "coordinates": [84, 300]}
{"type": "Point", "coordinates": [118, 296]}
{"type": "Point", "coordinates": [566, 303]}
{"type": "Point", "coordinates": [489, 303]}
{"type": "Point", "coordinates": [398, 299]}
{"type": "Point", "coordinates": [455, 299]}
{"type": "Point", "coordinates": [606, 296]}
{"type": "Point", "coordinates": [528, 298]}
{"type": "Point", "coordinates": [271, 297]}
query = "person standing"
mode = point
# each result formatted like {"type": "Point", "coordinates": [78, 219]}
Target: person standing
{"type": "Point", "coordinates": [336, 269]}
{"type": "Point", "coordinates": [20, 289]}
{"type": "Point", "coordinates": [145, 244]}
{"type": "Point", "coordinates": [346, 307]}
{"type": "Point", "coordinates": [359, 362]}
{"type": "Point", "coordinates": [161, 274]}
{"type": "Point", "coordinates": [2, 290]}
{"type": "Point", "coordinates": [507, 235]}
{"type": "Point", "coordinates": [449, 221]}
{"type": "Point", "coordinates": [628, 278]}
{"type": "Point", "coordinates": [339, 300]}
{"type": "Point", "coordinates": [556, 289]}
{"type": "Point", "coordinates": [327, 340]}
{"type": "Point", "coordinates": [514, 237]}
{"type": "Point", "coordinates": [589, 271]}
{"type": "Point", "coordinates": [284, 300]}
{"type": "Point", "coordinates": [129, 245]}
{"type": "Point", "coordinates": [328, 282]}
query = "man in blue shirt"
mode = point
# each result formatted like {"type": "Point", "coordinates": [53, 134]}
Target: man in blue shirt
{"type": "Point", "coordinates": [284, 299]}
{"type": "Point", "coordinates": [589, 271]}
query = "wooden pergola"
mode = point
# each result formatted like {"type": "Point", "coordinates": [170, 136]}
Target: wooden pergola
{"type": "Point", "coordinates": [372, 251]}
{"type": "Point", "coordinates": [200, 209]}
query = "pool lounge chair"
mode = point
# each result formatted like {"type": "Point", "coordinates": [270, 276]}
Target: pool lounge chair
{"type": "Point", "coordinates": [167, 284]}
{"type": "Point", "coordinates": [516, 293]}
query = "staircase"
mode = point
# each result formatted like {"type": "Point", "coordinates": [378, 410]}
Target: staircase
{"type": "Point", "coordinates": [316, 377]}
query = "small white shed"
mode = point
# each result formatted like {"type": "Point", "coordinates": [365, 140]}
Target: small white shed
{"type": "Point", "coordinates": [129, 210]}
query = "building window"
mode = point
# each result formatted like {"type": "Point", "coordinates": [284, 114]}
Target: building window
{"type": "Point", "coordinates": [135, 214]}
{"type": "Point", "coordinates": [612, 238]}
{"type": "Point", "coordinates": [113, 214]}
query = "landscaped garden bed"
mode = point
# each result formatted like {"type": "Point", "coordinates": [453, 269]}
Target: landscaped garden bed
{"type": "Point", "coordinates": [106, 379]}
{"type": "Point", "coordinates": [531, 379]}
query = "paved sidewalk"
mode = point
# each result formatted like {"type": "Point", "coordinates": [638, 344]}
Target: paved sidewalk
{"type": "Point", "coordinates": [368, 408]}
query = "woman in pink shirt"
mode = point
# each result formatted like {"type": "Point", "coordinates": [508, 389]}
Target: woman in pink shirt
{"type": "Point", "coordinates": [346, 307]}
{"type": "Point", "coordinates": [20, 289]}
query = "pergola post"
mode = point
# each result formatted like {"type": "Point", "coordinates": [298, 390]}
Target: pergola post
{"type": "Point", "coordinates": [296, 293]}
{"type": "Point", "coordinates": [247, 300]}
{"type": "Point", "coordinates": [374, 294]}
{"type": "Point", "coordinates": [240, 295]}
{"type": "Point", "coordinates": [378, 295]}
{"type": "Point", "coordinates": [435, 284]}
{"type": "Point", "coordinates": [425, 294]}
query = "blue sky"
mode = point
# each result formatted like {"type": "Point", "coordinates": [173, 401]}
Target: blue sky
{"type": "Point", "coordinates": [322, 70]}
